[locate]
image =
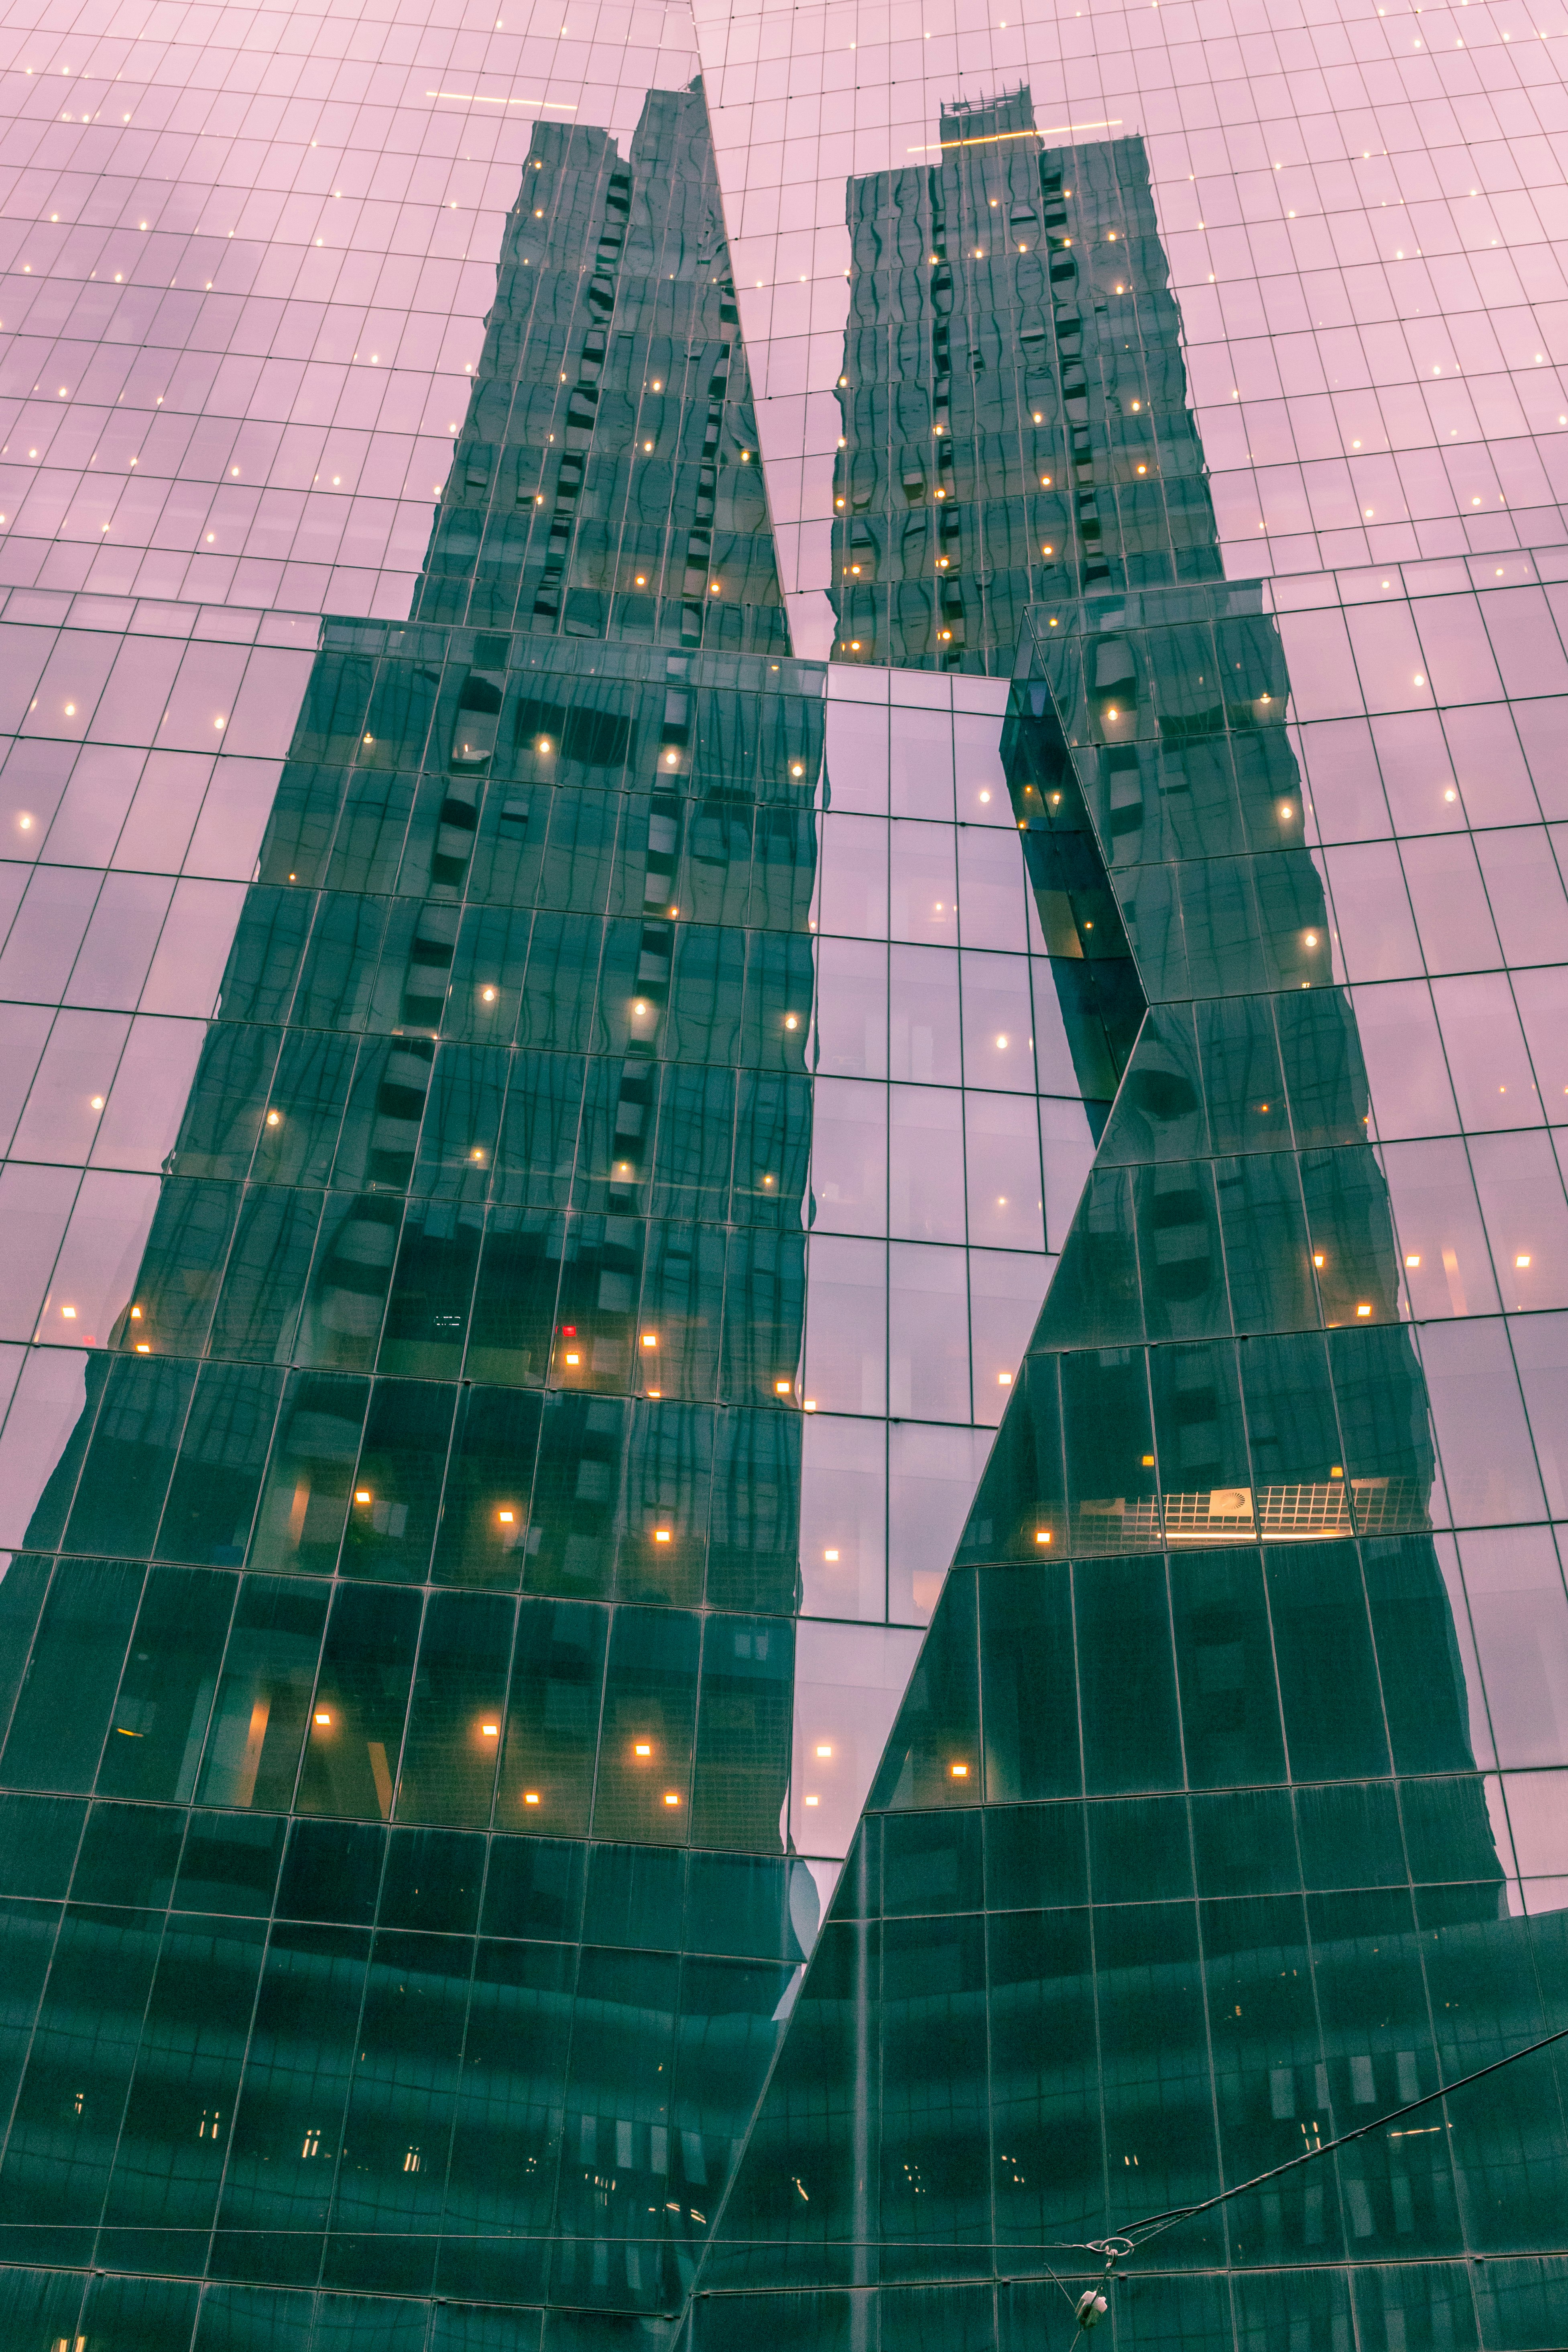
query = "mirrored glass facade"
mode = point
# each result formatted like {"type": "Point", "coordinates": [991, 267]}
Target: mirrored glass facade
{"type": "Point", "coordinates": [781, 1013]}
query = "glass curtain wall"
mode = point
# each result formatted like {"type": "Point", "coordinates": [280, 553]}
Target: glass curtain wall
{"type": "Point", "coordinates": [527, 1212]}
{"type": "Point", "coordinates": [399, 1646]}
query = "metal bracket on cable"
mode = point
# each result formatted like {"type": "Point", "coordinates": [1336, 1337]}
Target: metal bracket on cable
{"type": "Point", "coordinates": [1094, 2303]}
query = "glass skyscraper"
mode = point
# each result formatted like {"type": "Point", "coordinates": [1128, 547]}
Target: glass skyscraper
{"type": "Point", "coordinates": [785, 1259]}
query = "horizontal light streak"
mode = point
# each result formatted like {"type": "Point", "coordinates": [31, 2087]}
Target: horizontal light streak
{"type": "Point", "coordinates": [477, 97]}
{"type": "Point", "coordinates": [990, 138]}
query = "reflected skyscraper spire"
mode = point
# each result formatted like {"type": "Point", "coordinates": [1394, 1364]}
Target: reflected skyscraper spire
{"type": "Point", "coordinates": [606, 480]}
{"type": "Point", "coordinates": [1014, 419]}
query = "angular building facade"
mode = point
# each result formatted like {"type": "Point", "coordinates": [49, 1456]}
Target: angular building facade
{"type": "Point", "coordinates": [784, 1433]}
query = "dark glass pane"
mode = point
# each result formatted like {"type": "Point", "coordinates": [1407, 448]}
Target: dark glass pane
{"type": "Point", "coordinates": [1132, 1736]}
{"type": "Point", "coordinates": [264, 1694]}
{"type": "Point", "coordinates": [218, 1477]}
{"type": "Point", "coordinates": [397, 1480]}
{"type": "Point", "coordinates": [333, 1871]}
{"type": "Point", "coordinates": [305, 1500]}
{"type": "Point", "coordinates": [229, 1864]}
{"type": "Point", "coordinates": [646, 1744]}
{"type": "Point", "coordinates": [1328, 1680]}
{"type": "Point", "coordinates": [552, 1717]}
{"type": "Point", "coordinates": [73, 1672]}
{"type": "Point", "coordinates": [1230, 1710]}
{"type": "Point", "coordinates": [1026, 1649]}
{"type": "Point", "coordinates": [454, 1721]}
{"type": "Point", "coordinates": [130, 1855]}
{"type": "Point", "coordinates": [485, 1517]}
{"type": "Point", "coordinates": [39, 1838]}
{"type": "Point", "coordinates": [356, 1718]}
{"type": "Point", "coordinates": [159, 1717]}
{"type": "Point", "coordinates": [1110, 1451]}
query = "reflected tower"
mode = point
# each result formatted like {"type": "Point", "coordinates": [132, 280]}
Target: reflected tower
{"type": "Point", "coordinates": [1014, 418]}
{"type": "Point", "coordinates": [422, 1568]}
{"type": "Point", "coordinates": [1179, 1865]}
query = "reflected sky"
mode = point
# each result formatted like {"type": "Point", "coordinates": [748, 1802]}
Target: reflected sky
{"type": "Point", "coordinates": [245, 268]}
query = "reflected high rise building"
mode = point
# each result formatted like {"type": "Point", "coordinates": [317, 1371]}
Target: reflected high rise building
{"type": "Point", "coordinates": [612, 1732]}
{"type": "Point", "coordinates": [1016, 426]}
{"type": "Point", "coordinates": [1187, 1755]}
{"type": "Point", "coordinates": [447, 1447]}
{"type": "Point", "coordinates": [629, 504]}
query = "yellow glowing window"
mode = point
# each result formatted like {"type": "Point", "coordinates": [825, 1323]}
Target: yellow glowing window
{"type": "Point", "coordinates": [642, 1748]}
